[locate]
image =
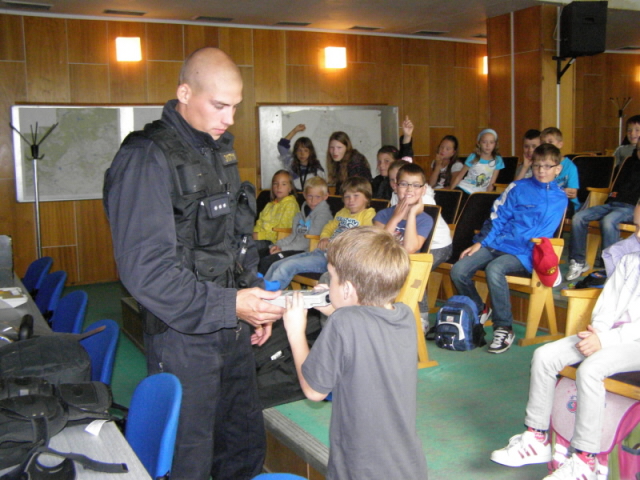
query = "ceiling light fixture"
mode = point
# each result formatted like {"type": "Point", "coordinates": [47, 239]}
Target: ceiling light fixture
{"type": "Point", "coordinates": [128, 49]}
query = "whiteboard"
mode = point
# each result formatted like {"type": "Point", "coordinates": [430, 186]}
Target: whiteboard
{"type": "Point", "coordinates": [77, 152]}
{"type": "Point", "coordinates": [368, 126]}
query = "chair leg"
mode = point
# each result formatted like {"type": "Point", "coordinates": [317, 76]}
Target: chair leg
{"type": "Point", "coordinates": [423, 354]}
{"type": "Point", "coordinates": [539, 300]}
{"type": "Point", "coordinates": [447, 284]}
{"type": "Point", "coordinates": [593, 243]}
{"type": "Point", "coordinates": [433, 288]}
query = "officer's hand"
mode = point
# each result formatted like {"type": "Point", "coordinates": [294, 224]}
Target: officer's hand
{"type": "Point", "coordinates": [251, 307]}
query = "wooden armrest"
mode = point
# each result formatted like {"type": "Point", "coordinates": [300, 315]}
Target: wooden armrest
{"type": "Point", "coordinates": [554, 241]}
{"type": "Point", "coordinates": [313, 241]}
{"type": "Point", "coordinates": [280, 229]}
{"type": "Point", "coordinates": [581, 292]}
{"type": "Point", "coordinates": [598, 190]}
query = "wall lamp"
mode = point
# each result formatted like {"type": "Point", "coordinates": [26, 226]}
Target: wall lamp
{"type": "Point", "coordinates": [128, 49]}
{"type": "Point", "coordinates": [335, 57]}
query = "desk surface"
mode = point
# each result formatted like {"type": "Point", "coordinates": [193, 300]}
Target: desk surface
{"type": "Point", "coordinates": [109, 446]}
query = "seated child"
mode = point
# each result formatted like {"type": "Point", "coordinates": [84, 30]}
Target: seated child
{"type": "Point", "coordinates": [568, 179]}
{"type": "Point", "coordinates": [625, 150]}
{"type": "Point", "coordinates": [279, 212]}
{"type": "Point", "coordinates": [612, 255]}
{"type": "Point", "coordinates": [386, 156]}
{"type": "Point", "coordinates": [610, 345]}
{"type": "Point", "coordinates": [366, 357]}
{"type": "Point", "coordinates": [480, 170]}
{"type": "Point", "coordinates": [302, 162]}
{"type": "Point", "coordinates": [356, 197]}
{"type": "Point", "coordinates": [407, 221]}
{"type": "Point", "coordinates": [310, 220]}
{"type": "Point", "coordinates": [617, 209]}
{"type": "Point", "coordinates": [529, 144]}
{"type": "Point", "coordinates": [441, 244]}
{"type": "Point", "coordinates": [446, 163]}
{"type": "Point", "coordinates": [528, 208]}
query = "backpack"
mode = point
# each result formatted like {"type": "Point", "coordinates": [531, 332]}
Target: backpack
{"type": "Point", "coordinates": [458, 326]}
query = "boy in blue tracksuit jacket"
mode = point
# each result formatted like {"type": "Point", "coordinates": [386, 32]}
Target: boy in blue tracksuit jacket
{"type": "Point", "coordinates": [529, 208]}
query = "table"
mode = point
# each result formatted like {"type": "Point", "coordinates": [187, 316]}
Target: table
{"type": "Point", "coordinates": [109, 446]}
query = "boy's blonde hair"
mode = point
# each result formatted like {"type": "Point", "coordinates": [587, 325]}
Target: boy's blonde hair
{"type": "Point", "coordinates": [552, 131]}
{"type": "Point", "coordinates": [360, 185]}
{"type": "Point", "coordinates": [316, 182]}
{"type": "Point", "coordinates": [373, 261]}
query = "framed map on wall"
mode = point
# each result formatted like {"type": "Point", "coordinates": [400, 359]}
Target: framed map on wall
{"type": "Point", "coordinates": [77, 152]}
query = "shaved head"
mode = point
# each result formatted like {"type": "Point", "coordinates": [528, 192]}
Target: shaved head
{"type": "Point", "coordinates": [209, 90]}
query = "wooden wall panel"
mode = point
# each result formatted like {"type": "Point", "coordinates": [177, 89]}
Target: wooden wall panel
{"type": "Point", "coordinates": [127, 79]}
{"type": "Point", "coordinates": [441, 105]}
{"type": "Point", "coordinates": [89, 83]}
{"type": "Point", "coordinates": [467, 107]}
{"type": "Point", "coordinates": [370, 49]}
{"type": "Point", "coordinates": [592, 114]}
{"type": "Point", "coordinates": [372, 83]}
{"type": "Point", "coordinates": [526, 24]}
{"type": "Point", "coordinates": [11, 38]}
{"type": "Point", "coordinates": [500, 99]}
{"type": "Point", "coordinates": [498, 36]}
{"type": "Point", "coordinates": [311, 84]}
{"type": "Point", "coordinates": [64, 258]}
{"type": "Point", "coordinates": [87, 41]}
{"type": "Point", "coordinates": [162, 81]}
{"type": "Point", "coordinates": [14, 89]}
{"type": "Point", "coordinates": [7, 212]}
{"type": "Point", "coordinates": [416, 105]}
{"type": "Point", "coordinates": [94, 238]}
{"type": "Point", "coordinates": [269, 66]}
{"type": "Point", "coordinates": [307, 48]}
{"type": "Point", "coordinates": [415, 52]}
{"type": "Point", "coordinates": [469, 55]}
{"type": "Point", "coordinates": [527, 95]}
{"type": "Point", "coordinates": [198, 36]}
{"type": "Point", "coordinates": [238, 43]}
{"type": "Point", "coordinates": [24, 236]}
{"type": "Point", "coordinates": [47, 73]}
{"type": "Point", "coordinates": [57, 223]}
{"type": "Point", "coordinates": [244, 128]}
{"type": "Point", "coordinates": [164, 42]}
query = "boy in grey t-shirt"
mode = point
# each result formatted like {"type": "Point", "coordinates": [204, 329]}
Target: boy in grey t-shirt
{"type": "Point", "coordinates": [367, 357]}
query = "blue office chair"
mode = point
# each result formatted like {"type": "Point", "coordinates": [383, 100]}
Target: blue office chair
{"type": "Point", "coordinates": [50, 292]}
{"type": "Point", "coordinates": [278, 476]}
{"type": "Point", "coordinates": [70, 312]}
{"type": "Point", "coordinates": [152, 422]}
{"type": "Point", "coordinates": [36, 272]}
{"type": "Point", "coordinates": [102, 350]}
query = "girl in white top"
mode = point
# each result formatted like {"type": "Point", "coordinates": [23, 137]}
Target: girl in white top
{"type": "Point", "coordinates": [481, 168]}
{"type": "Point", "coordinates": [446, 164]}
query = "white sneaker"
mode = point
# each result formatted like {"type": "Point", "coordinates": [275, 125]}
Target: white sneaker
{"type": "Point", "coordinates": [424, 318]}
{"type": "Point", "coordinates": [523, 449]}
{"type": "Point", "coordinates": [576, 269]}
{"type": "Point", "coordinates": [502, 340]}
{"type": "Point", "coordinates": [573, 469]}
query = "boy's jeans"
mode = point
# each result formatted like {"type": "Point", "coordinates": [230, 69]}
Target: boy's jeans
{"type": "Point", "coordinates": [496, 265]}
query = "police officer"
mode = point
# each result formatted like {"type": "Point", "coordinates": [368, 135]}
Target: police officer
{"type": "Point", "coordinates": [181, 223]}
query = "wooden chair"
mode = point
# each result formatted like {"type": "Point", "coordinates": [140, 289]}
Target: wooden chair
{"type": "Point", "coordinates": [594, 172]}
{"type": "Point", "coordinates": [379, 204]}
{"type": "Point", "coordinates": [473, 215]}
{"type": "Point", "coordinates": [411, 293]}
{"type": "Point", "coordinates": [449, 201]}
{"type": "Point", "coordinates": [434, 212]}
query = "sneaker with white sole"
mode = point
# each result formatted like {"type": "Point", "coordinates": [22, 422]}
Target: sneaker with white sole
{"type": "Point", "coordinates": [502, 340]}
{"type": "Point", "coordinates": [574, 469]}
{"type": "Point", "coordinates": [523, 449]}
{"type": "Point", "coordinates": [576, 269]}
{"type": "Point", "coordinates": [485, 314]}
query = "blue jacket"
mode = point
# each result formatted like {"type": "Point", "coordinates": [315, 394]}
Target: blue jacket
{"type": "Point", "coordinates": [527, 209]}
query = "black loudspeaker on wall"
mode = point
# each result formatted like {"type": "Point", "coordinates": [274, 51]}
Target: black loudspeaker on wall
{"type": "Point", "coordinates": [583, 29]}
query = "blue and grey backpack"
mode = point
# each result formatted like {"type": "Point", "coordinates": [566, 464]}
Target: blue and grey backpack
{"type": "Point", "coordinates": [458, 326]}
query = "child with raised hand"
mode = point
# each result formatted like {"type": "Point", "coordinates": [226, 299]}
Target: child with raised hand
{"type": "Point", "coordinates": [302, 161]}
{"type": "Point", "coordinates": [279, 212]}
{"type": "Point", "coordinates": [407, 220]}
{"type": "Point", "coordinates": [480, 170]}
{"type": "Point", "coordinates": [310, 220]}
{"type": "Point", "coordinates": [630, 141]}
{"type": "Point", "coordinates": [568, 179]}
{"type": "Point", "coordinates": [366, 356]}
{"type": "Point", "coordinates": [446, 164]}
{"type": "Point", "coordinates": [344, 161]}
{"type": "Point", "coordinates": [529, 144]}
{"type": "Point", "coordinates": [389, 154]}
{"type": "Point", "coordinates": [356, 212]}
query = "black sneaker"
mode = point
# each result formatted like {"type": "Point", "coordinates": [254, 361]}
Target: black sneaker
{"type": "Point", "coordinates": [502, 340]}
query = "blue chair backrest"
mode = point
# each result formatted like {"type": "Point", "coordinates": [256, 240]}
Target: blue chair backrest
{"type": "Point", "coordinates": [102, 350]}
{"type": "Point", "coordinates": [50, 292]}
{"type": "Point", "coordinates": [36, 272]}
{"type": "Point", "coordinates": [152, 422]}
{"type": "Point", "coordinates": [69, 314]}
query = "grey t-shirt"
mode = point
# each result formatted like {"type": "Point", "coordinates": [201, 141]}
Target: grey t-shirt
{"type": "Point", "coordinates": [367, 356]}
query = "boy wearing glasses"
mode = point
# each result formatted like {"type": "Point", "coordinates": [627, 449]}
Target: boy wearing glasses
{"type": "Point", "coordinates": [407, 221]}
{"type": "Point", "coordinates": [528, 208]}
